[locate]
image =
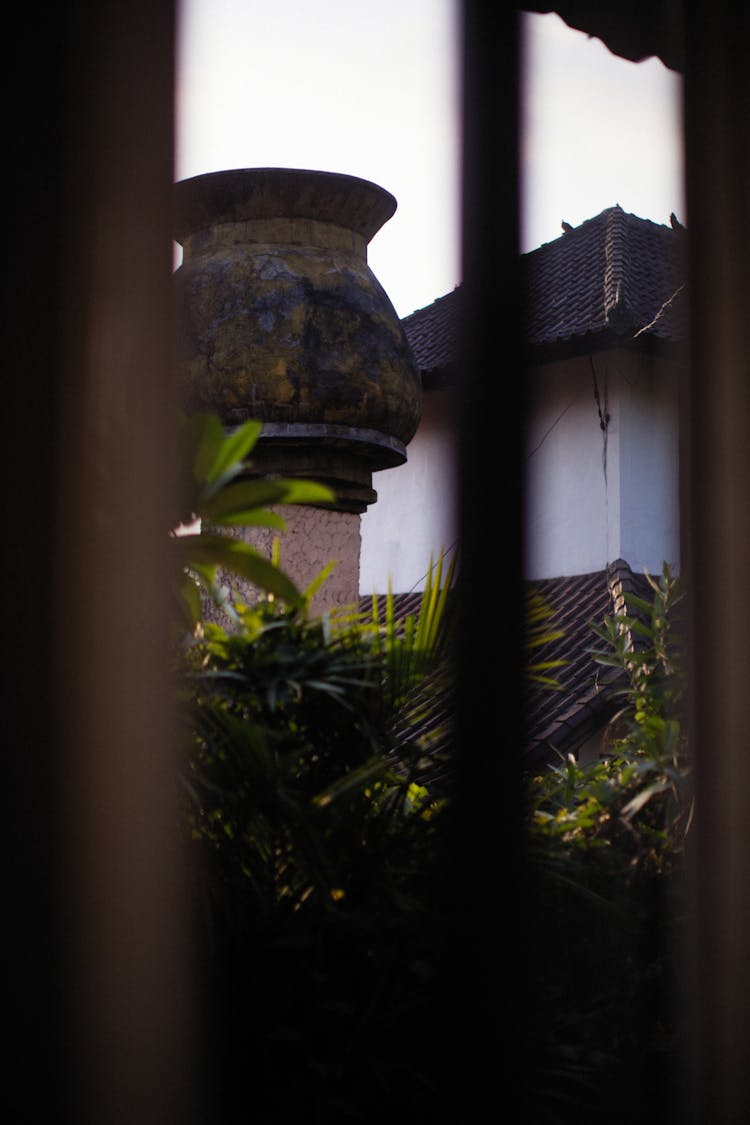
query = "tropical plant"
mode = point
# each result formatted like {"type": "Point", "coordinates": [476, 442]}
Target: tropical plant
{"type": "Point", "coordinates": [645, 647]}
{"type": "Point", "coordinates": [316, 839]}
{"type": "Point", "coordinates": [417, 692]}
{"type": "Point", "coordinates": [606, 846]}
{"type": "Point", "coordinates": [216, 490]}
{"type": "Point", "coordinates": [537, 635]}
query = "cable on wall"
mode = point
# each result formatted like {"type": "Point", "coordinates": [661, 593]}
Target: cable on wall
{"type": "Point", "coordinates": [604, 417]}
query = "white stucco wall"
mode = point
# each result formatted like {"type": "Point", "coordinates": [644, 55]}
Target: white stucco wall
{"type": "Point", "coordinates": [579, 517]}
{"type": "Point", "coordinates": [567, 518]}
{"type": "Point", "coordinates": [415, 514]}
{"type": "Point", "coordinates": [649, 468]}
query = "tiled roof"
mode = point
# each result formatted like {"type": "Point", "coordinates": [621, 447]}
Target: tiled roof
{"type": "Point", "coordinates": [433, 333]}
{"type": "Point", "coordinates": [616, 279]}
{"type": "Point", "coordinates": [429, 724]}
{"type": "Point", "coordinates": [613, 279]}
{"type": "Point", "coordinates": [403, 605]}
{"type": "Point", "coordinates": [558, 721]}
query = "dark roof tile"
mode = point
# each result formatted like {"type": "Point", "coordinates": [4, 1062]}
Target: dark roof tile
{"type": "Point", "coordinates": [434, 335]}
{"type": "Point", "coordinates": [558, 722]}
{"type": "Point", "coordinates": [616, 279]}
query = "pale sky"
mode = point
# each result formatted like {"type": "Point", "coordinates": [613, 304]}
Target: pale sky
{"type": "Point", "coordinates": [597, 130]}
{"type": "Point", "coordinates": [372, 88]}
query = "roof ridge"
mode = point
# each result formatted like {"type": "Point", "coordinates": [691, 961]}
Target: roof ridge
{"type": "Point", "coordinates": [614, 280]}
{"type": "Point", "coordinates": [618, 314]}
{"type": "Point", "coordinates": [623, 584]}
{"type": "Point", "coordinates": [608, 214]}
{"type": "Point", "coordinates": [619, 576]}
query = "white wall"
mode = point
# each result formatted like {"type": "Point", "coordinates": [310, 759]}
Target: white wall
{"type": "Point", "coordinates": [567, 517]}
{"type": "Point", "coordinates": [415, 513]}
{"type": "Point", "coordinates": [577, 518]}
{"type": "Point", "coordinates": [649, 481]}
{"type": "Point", "coordinates": [593, 497]}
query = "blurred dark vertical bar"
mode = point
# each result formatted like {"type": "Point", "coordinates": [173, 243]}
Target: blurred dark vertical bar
{"type": "Point", "coordinates": [34, 1077]}
{"type": "Point", "coordinates": [717, 123]}
{"type": "Point", "coordinates": [100, 1009]}
{"type": "Point", "coordinates": [487, 870]}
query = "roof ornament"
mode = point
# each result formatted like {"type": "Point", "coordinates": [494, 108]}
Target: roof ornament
{"type": "Point", "coordinates": [675, 222]}
{"type": "Point", "coordinates": [566, 226]}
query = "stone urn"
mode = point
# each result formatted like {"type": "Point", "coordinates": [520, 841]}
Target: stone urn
{"type": "Point", "coordinates": [281, 319]}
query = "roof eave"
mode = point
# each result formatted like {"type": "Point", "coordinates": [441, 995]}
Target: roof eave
{"type": "Point", "coordinates": [554, 350]}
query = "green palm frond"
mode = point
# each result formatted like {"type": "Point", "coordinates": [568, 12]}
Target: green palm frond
{"type": "Point", "coordinates": [216, 492]}
{"type": "Point", "coordinates": [538, 635]}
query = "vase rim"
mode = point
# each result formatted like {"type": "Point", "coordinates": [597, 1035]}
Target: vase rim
{"type": "Point", "coordinates": [242, 194]}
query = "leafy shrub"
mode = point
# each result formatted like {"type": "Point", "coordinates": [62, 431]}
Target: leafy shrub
{"type": "Point", "coordinates": [606, 844]}
{"type": "Point", "coordinates": [315, 846]}
{"type": "Point", "coordinates": [216, 490]}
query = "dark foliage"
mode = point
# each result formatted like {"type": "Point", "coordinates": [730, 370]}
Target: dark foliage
{"type": "Point", "coordinates": [317, 874]}
{"type": "Point", "coordinates": [606, 896]}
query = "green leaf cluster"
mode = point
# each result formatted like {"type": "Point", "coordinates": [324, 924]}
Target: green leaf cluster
{"type": "Point", "coordinates": [216, 490]}
{"type": "Point", "coordinates": [417, 654]}
{"type": "Point", "coordinates": [537, 635]}
{"type": "Point", "coordinates": [316, 844]}
{"type": "Point", "coordinates": [636, 799]}
{"type": "Point", "coordinates": [644, 648]}
{"type": "Point", "coordinates": [606, 847]}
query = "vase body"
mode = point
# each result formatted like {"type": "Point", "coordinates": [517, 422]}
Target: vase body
{"type": "Point", "coordinates": [281, 319]}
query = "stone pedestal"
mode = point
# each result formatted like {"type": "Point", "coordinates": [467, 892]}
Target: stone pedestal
{"type": "Point", "coordinates": [313, 538]}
